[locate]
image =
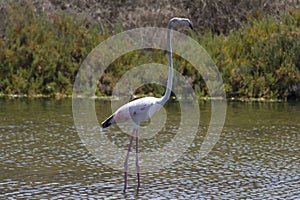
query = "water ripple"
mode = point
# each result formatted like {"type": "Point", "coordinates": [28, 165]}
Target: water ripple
{"type": "Point", "coordinates": [42, 157]}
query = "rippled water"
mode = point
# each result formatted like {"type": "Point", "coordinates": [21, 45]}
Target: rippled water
{"type": "Point", "coordinates": [257, 156]}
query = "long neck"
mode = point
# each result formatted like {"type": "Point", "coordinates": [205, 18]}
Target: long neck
{"type": "Point", "coordinates": [167, 94]}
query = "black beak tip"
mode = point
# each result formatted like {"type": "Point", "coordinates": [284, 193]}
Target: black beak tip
{"type": "Point", "coordinates": [191, 26]}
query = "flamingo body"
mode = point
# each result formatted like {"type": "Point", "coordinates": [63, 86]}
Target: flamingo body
{"type": "Point", "coordinates": [138, 110]}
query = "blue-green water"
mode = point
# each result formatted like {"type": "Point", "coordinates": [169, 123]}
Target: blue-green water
{"type": "Point", "coordinates": [257, 156]}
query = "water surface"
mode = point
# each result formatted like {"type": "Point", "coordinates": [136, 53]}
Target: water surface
{"type": "Point", "coordinates": [256, 157]}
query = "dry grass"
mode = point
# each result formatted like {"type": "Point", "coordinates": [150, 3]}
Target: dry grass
{"type": "Point", "coordinates": [220, 16]}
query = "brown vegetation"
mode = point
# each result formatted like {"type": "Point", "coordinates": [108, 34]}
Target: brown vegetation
{"type": "Point", "coordinates": [220, 16]}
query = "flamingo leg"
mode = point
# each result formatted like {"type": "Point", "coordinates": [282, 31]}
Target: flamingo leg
{"type": "Point", "coordinates": [137, 156]}
{"type": "Point", "coordinates": [126, 162]}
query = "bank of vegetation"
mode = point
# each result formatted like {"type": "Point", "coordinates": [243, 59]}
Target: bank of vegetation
{"type": "Point", "coordinates": [41, 53]}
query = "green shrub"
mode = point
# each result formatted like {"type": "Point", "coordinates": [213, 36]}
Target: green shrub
{"type": "Point", "coordinates": [41, 54]}
{"type": "Point", "coordinates": [258, 61]}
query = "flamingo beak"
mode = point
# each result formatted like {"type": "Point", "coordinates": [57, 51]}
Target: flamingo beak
{"type": "Point", "coordinates": [191, 25]}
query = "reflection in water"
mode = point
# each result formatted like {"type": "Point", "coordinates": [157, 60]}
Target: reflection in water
{"type": "Point", "coordinates": [257, 156]}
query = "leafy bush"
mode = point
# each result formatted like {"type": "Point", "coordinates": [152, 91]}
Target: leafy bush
{"type": "Point", "coordinates": [41, 54]}
{"type": "Point", "coordinates": [261, 60]}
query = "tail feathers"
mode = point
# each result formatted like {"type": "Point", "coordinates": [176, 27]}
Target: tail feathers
{"type": "Point", "coordinates": [107, 122]}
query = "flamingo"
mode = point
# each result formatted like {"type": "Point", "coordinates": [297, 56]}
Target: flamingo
{"type": "Point", "coordinates": [143, 109]}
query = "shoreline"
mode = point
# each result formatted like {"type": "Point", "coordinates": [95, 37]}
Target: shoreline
{"type": "Point", "coordinates": [112, 98]}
